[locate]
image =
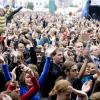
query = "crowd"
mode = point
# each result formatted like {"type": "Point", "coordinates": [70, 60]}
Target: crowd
{"type": "Point", "coordinates": [48, 57]}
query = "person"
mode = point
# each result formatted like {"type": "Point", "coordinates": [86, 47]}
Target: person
{"type": "Point", "coordinates": [2, 78]}
{"type": "Point", "coordinates": [95, 96]}
{"type": "Point", "coordinates": [80, 79]}
{"type": "Point", "coordinates": [94, 9]}
{"type": "Point", "coordinates": [5, 97]}
{"type": "Point", "coordinates": [9, 13]}
{"type": "Point", "coordinates": [63, 90]}
{"type": "Point", "coordinates": [2, 28]}
{"type": "Point", "coordinates": [9, 95]}
{"type": "Point", "coordinates": [2, 21]}
{"type": "Point", "coordinates": [28, 84]}
{"type": "Point", "coordinates": [54, 72]}
{"type": "Point", "coordinates": [95, 56]}
{"type": "Point", "coordinates": [79, 47]}
{"type": "Point", "coordinates": [43, 75]}
{"type": "Point", "coordinates": [84, 8]}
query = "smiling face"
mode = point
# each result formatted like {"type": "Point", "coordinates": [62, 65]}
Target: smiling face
{"type": "Point", "coordinates": [28, 80]}
{"type": "Point", "coordinates": [87, 71]}
{"type": "Point", "coordinates": [93, 36]}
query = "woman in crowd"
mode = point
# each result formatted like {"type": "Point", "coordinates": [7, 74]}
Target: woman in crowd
{"type": "Point", "coordinates": [63, 91]}
{"type": "Point", "coordinates": [28, 85]}
{"type": "Point", "coordinates": [72, 38]}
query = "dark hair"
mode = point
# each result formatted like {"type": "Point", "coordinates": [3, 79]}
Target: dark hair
{"type": "Point", "coordinates": [22, 79]}
{"type": "Point", "coordinates": [14, 84]}
{"type": "Point", "coordinates": [57, 50]}
{"type": "Point", "coordinates": [6, 6]}
{"type": "Point", "coordinates": [15, 96]}
{"type": "Point", "coordinates": [95, 96]}
{"type": "Point", "coordinates": [67, 66]}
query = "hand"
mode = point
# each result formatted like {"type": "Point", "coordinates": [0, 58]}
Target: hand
{"type": "Point", "coordinates": [27, 69]}
{"type": "Point", "coordinates": [86, 60]}
{"type": "Point", "coordinates": [15, 53]}
{"type": "Point", "coordinates": [1, 59]}
{"type": "Point", "coordinates": [22, 67]}
{"type": "Point", "coordinates": [17, 90]}
{"type": "Point", "coordinates": [13, 74]}
{"type": "Point", "coordinates": [87, 86]}
{"type": "Point", "coordinates": [70, 88]}
{"type": "Point", "coordinates": [50, 51]}
{"type": "Point", "coordinates": [31, 73]}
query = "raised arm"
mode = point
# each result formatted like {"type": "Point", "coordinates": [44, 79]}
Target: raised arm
{"type": "Point", "coordinates": [80, 94]}
{"type": "Point", "coordinates": [31, 91]}
{"type": "Point", "coordinates": [46, 65]}
{"type": "Point", "coordinates": [83, 68]}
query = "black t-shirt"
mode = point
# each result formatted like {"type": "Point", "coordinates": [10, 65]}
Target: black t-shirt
{"type": "Point", "coordinates": [77, 84]}
{"type": "Point", "coordinates": [2, 82]}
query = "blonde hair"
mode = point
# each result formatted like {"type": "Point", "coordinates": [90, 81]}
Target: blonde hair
{"type": "Point", "coordinates": [68, 64]}
{"type": "Point", "coordinates": [20, 45]}
{"type": "Point", "coordinates": [60, 86]}
{"type": "Point", "coordinates": [95, 96]}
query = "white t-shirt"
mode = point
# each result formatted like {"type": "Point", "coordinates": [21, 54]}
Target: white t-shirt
{"type": "Point", "coordinates": [95, 2]}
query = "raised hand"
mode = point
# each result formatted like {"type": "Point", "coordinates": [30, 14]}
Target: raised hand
{"type": "Point", "coordinates": [13, 74]}
{"type": "Point", "coordinates": [28, 70]}
{"type": "Point", "coordinates": [1, 59]}
{"type": "Point", "coordinates": [50, 51]}
{"type": "Point", "coordinates": [86, 60]}
{"type": "Point", "coordinates": [87, 86]}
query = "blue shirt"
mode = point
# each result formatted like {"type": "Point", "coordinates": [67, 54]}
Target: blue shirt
{"type": "Point", "coordinates": [41, 80]}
